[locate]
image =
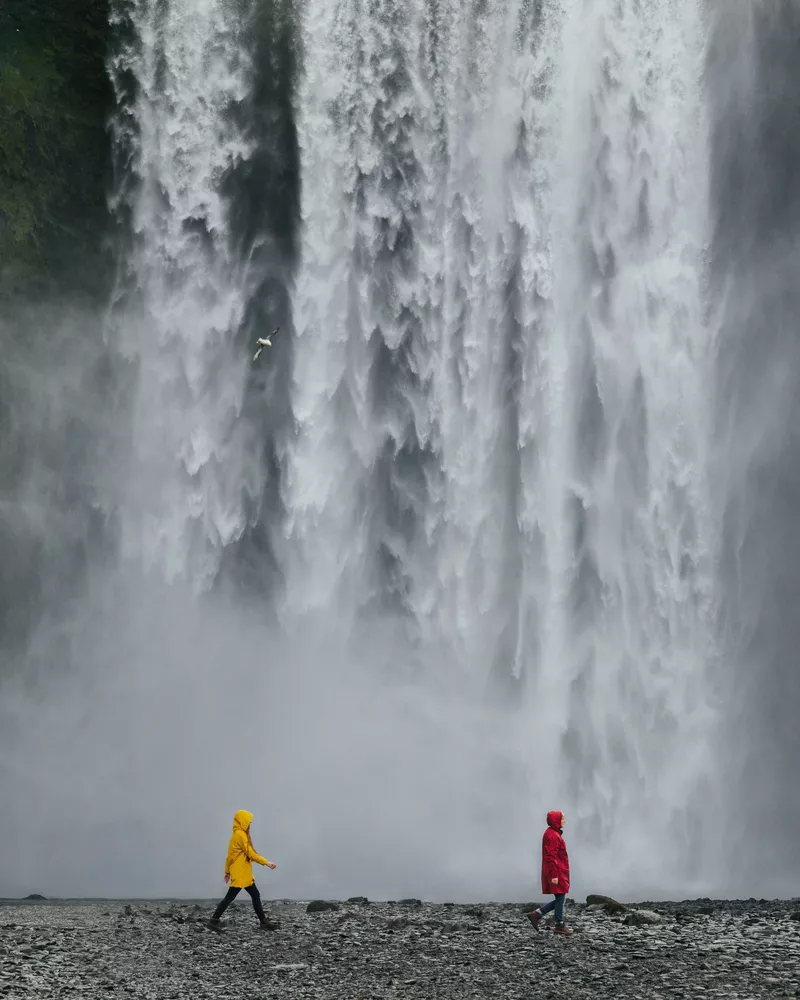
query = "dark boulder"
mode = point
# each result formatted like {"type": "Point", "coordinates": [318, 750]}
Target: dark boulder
{"type": "Point", "coordinates": [609, 905]}
{"type": "Point", "coordinates": [321, 906]}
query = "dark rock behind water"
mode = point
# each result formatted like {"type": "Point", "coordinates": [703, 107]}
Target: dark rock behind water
{"type": "Point", "coordinates": [152, 951]}
{"type": "Point", "coordinates": [55, 98]}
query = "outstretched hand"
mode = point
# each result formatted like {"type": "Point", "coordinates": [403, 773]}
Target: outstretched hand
{"type": "Point", "coordinates": [271, 864]}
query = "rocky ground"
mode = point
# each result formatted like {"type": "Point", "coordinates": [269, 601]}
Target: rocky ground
{"type": "Point", "coordinates": [163, 951]}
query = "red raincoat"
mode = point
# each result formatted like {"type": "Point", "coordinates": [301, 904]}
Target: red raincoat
{"type": "Point", "coordinates": [555, 860]}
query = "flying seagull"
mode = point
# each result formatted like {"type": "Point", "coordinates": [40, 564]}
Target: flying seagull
{"type": "Point", "coordinates": [263, 342]}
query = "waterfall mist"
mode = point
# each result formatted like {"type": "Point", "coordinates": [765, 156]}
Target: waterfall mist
{"type": "Point", "coordinates": [502, 522]}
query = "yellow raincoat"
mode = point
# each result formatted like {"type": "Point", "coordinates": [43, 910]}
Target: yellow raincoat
{"type": "Point", "coordinates": [241, 854]}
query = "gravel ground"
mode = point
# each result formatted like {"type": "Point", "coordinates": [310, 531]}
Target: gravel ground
{"type": "Point", "coordinates": [362, 951]}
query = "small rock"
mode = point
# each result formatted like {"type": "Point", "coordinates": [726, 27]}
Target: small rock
{"type": "Point", "coordinates": [360, 900]}
{"type": "Point", "coordinates": [636, 918]}
{"type": "Point", "coordinates": [411, 902]}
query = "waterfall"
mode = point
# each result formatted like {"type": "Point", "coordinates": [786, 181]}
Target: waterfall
{"type": "Point", "coordinates": [180, 73]}
{"type": "Point", "coordinates": [502, 371]}
{"type": "Point", "coordinates": [471, 481]}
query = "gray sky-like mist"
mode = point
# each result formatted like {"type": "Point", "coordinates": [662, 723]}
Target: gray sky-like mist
{"type": "Point", "coordinates": [120, 775]}
{"type": "Point", "coordinates": [122, 765]}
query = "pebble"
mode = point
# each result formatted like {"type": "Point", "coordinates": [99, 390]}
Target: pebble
{"type": "Point", "coordinates": [408, 949]}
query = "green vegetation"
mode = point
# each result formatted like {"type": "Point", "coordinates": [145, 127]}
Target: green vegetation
{"type": "Point", "coordinates": [54, 103]}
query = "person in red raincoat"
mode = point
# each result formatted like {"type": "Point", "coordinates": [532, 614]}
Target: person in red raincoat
{"type": "Point", "coordinates": [555, 872]}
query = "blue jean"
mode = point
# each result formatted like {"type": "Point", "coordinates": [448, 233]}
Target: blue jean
{"type": "Point", "coordinates": [556, 904]}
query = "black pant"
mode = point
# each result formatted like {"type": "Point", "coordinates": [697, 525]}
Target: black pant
{"type": "Point", "coordinates": [233, 892]}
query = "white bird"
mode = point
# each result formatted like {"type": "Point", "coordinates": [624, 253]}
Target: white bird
{"type": "Point", "coordinates": [263, 342]}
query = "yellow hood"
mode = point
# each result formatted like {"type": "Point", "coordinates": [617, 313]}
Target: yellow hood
{"type": "Point", "coordinates": [242, 820]}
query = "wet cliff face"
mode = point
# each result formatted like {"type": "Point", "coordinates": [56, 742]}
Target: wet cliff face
{"type": "Point", "coordinates": [54, 103]}
{"type": "Point", "coordinates": [55, 99]}
{"type": "Point", "coordinates": [753, 77]}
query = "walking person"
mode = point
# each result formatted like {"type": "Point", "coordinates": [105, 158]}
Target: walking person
{"type": "Point", "coordinates": [555, 873]}
{"type": "Point", "coordinates": [239, 873]}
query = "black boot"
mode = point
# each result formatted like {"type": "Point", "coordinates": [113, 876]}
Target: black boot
{"type": "Point", "coordinates": [535, 918]}
{"type": "Point", "coordinates": [214, 925]}
{"type": "Point", "coordinates": [268, 924]}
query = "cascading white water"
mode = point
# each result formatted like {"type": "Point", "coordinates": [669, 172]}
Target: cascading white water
{"type": "Point", "coordinates": [632, 227]}
{"type": "Point", "coordinates": [500, 289]}
{"type": "Point", "coordinates": [181, 297]}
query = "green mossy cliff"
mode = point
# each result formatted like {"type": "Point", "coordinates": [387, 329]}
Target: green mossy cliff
{"type": "Point", "coordinates": [55, 99]}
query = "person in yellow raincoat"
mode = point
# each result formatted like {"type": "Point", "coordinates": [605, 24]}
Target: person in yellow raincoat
{"type": "Point", "coordinates": [239, 872]}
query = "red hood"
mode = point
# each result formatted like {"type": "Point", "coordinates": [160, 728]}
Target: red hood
{"type": "Point", "coordinates": [555, 819]}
